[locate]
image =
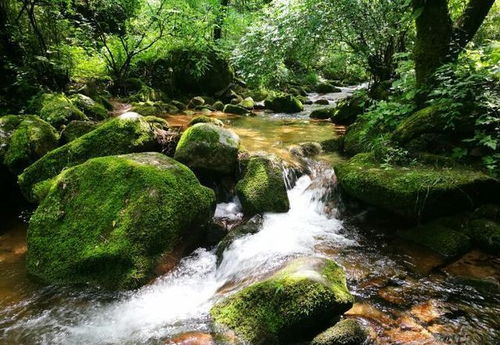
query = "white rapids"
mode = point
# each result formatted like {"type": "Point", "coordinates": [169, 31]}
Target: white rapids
{"type": "Point", "coordinates": [180, 301]}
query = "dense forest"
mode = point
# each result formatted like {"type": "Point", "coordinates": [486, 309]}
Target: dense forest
{"type": "Point", "coordinates": [297, 172]}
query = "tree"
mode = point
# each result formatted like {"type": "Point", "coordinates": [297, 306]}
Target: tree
{"type": "Point", "coordinates": [440, 40]}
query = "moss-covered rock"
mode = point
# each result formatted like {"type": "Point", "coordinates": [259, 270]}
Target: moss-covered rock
{"type": "Point", "coordinates": [262, 188]}
{"type": "Point", "coordinates": [127, 134]}
{"type": "Point", "coordinates": [284, 104]}
{"type": "Point", "coordinates": [248, 103]}
{"type": "Point", "coordinates": [430, 120]}
{"type": "Point", "coordinates": [24, 139]}
{"type": "Point", "coordinates": [205, 119]}
{"type": "Point", "coordinates": [218, 106]}
{"type": "Point", "coordinates": [333, 145]}
{"type": "Point", "coordinates": [345, 332]}
{"type": "Point", "coordinates": [326, 88]}
{"type": "Point", "coordinates": [208, 148]}
{"type": "Point", "coordinates": [322, 113]}
{"type": "Point", "coordinates": [235, 109]}
{"type": "Point", "coordinates": [179, 105]}
{"type": "Point", "coordinates": [486, 234]}
{"type": "Point", "coordinates": [109, 221]}
{"type": "Point", "coordinates": [296, 302]}
{"type": "Point", "coordinates": [91, 108]}
{"type": "Point", "coordinates": [76, 129]}
{"type": "Point", "coordinates": [154, 108]}
{"type": "Point", "coordinates": [249, 228]}
{"type": "Point", "coordinates": [488, 211]}
{"type": "Point", "coordinates": [347, 110]}
{"type": "Point", "coordinates": [439, 238]}
{"type": "Point", "coordinates": [58, 110]}
{"type": "Point", "coordinates": [420, 191]}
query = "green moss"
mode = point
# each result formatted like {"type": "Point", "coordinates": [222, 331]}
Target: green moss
{"type": "Point", "coordinates": [91, 108]}
{"type": "Point", "coordinates": [486, 234]}
{"type": "Point", "coordinates": [209, 148]}
{"type": "Point", "coordinates": [58, 110]}
{"type": "Point", "coordinates": [107, 221]}
{"type": "Point", "coordinates": [76, 129]}
{"type": "Point", "coordinates": [345, 332]}
{"type": "Point", "coordinates": [284, 104]}
{"type": "Point", "coordinates": [333, 145]}
{"type": "Point", "coordinates": [347, 110]}
{"type": "Point", "coordinates": [219, 106]}
{"type": "Point", "coordinates": [205, 119]}
{"type": "Point", "coordinates": [441, 239]}
{"type": "Point", "coordinates": [322, 113]}
{"type": "Point", "coordinates": [262, 188]}
{"type": "Point", "coordinates": [423, 121]}
{"type": "Point", "coordinates": [116, 136]}
{"type": "Point", "coordinates": [248, 103]}
{"type": "Point", "coordinates": [417, 192]}
{"type": "Point", "coordinates": [359, 138]}
{"type": "Point", "coordinates": [290, 305]}
{"type": "Point", "coordinates": [24, 139]}
{"type": "Point", "coordinates": [235, 109]}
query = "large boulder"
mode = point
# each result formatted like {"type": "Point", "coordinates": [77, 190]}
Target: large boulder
{"type": "Point", "coordinates": [58, 110]}
{"type": "Point", "coordinates": [262, 188]}
{"type": "Point", "coordinates": [208, 148]}
{"type": "Point", "coordinates": [284, 104]}
{"type": "Point", "coordinates": [109, 221]}
{"type": "Point", "coordinates": [348, 109]}
{"type": "Point", "coordinates": [421, 191]}
{"type": "Point", "coordinates": [126, 134]}
{"type": "Point", "coordinates": [24, 139]}
{"type": "Point", "coordinates": [76, 129]}
{"type": "Point", "coordinates": [486, 234]}
{"type": "Point", "coordinates": [298, 301]}
{"type": "Point", "coordinates": [359, 137]}
{"type": "Point", "coordinates": [345, 332]}
{"type": "Point", "coordinates": [91, 108]}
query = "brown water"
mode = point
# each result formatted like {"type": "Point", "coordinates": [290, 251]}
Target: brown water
{"type": "Point", "coordinates": [404, 293]}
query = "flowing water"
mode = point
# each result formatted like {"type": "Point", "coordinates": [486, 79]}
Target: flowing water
{"type": "Point", "coordinates": [405, 294]}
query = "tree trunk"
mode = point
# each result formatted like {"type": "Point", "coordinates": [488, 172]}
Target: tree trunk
{"type": "Point", "coordinates": [219, 21]}
{"type": "Point", "coordinates": [434, 33]}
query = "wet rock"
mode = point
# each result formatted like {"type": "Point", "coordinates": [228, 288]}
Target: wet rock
{"type": "Point", "coordinates": [108, 221]}
{"type": "Point", "coordinates": [488, 211]}
{"type": "Point", "coordinates": [485, 234]}
{"type": "Point", "coordinates": [195, 102]}
{"type": "Point", "coordinates": [23, 140]}
{"type": "Point", "coordinates": [205, 119]}
{"type": "Point", "coordinates": [327, 88]}
{"type": "Point", "coordinates": [208, 148]}
{"type": "Point", "coordinates": [284, 104]}
{"type": "Point", "coordinates": [418, 192]}
{"type": "Point", "coordinates": [252, 226]}
{"type": "Point", "coordinates": [262, 188]}
{"type": "Point", "coordinates": [322, 101]}
{"type": "Point", "coordinates": [179, 105]}
{"type": "Point", "coordinates": [428, 311]}
{"type": "Point", "coordinates": [125, 134]}
{"type": "Point", "coordinates": [192, 338]}
{"type": "Point", "coordinates": [235, 109]}
{"type": "Point", "coordinates": [347, 110]}
{"type": "Point", "coordinates": [322, 113]}
{"type": "Point", "coordinates": [219, 106]}
{"type": "Point", "coordinates": [443, 240]}
{"type": "Point", "coordinates": [91, 108]}
{"type": "Point", "coordinates": [345, 332]}
{"type": "Point", "coordinates": [306, 150]}
{"type": "Point", "coordinates": [58, 110]}
{"type": "Point", "coordinates": [76, 129]}
{"type": "Point", "coordinates": [294, 303]}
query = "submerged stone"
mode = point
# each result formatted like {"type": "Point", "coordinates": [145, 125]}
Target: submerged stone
{"type": "Point", "coordinates": [284, 104]}
{"type": "Point", "coordinates": [109, 221]}
{"type": "Point", "coordinates": [24, 139]}
{"type": "Point", "coordinates": [420, 191]}
{"type": "Point", "coordinates": [208, 148]}
{"type": "Point", "coordinates": [345, 332]}
{"type": "Point", "coordinates": [262, 188]}
{"type": "Point", "coordinates": [296, 302]}
{"type": "Point", "coordinates": [125, 134]}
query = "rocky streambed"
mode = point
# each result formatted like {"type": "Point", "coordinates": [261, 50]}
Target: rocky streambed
{"type": "Point", "coordinates": [285, 272]}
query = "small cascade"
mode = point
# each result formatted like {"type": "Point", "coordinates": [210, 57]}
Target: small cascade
{"type": "Point", "coordinates": [180, 301]}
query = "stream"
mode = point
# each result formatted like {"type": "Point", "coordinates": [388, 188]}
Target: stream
{"type": "Point", "coordinates": [404, 293]}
